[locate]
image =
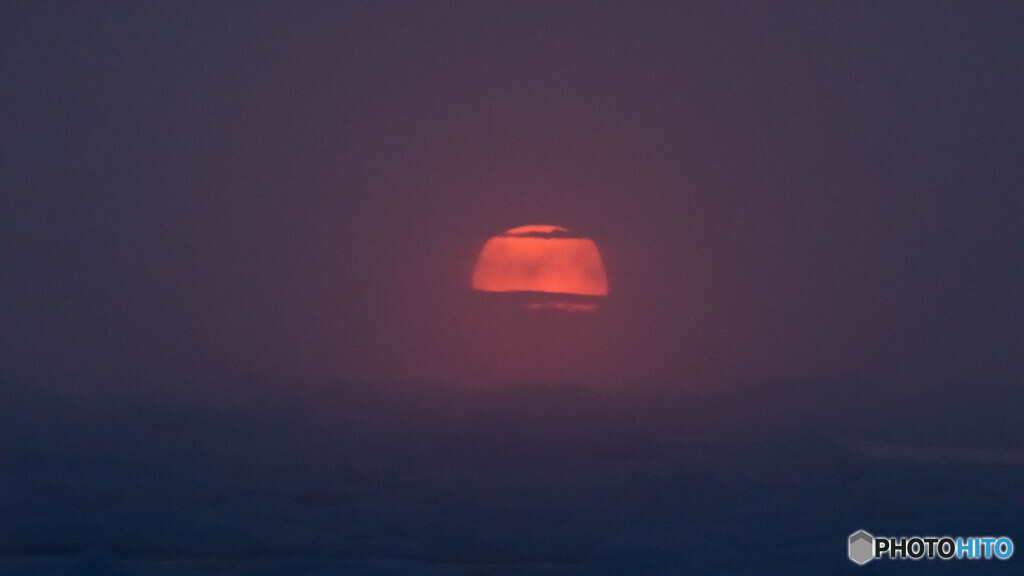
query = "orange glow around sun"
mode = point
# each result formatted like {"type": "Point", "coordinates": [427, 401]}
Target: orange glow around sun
{"type": "Point", "coordinates": [540, 258]}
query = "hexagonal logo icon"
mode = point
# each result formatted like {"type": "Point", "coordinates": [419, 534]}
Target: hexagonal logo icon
{"type": "Point", "coordinates": [861, 547]}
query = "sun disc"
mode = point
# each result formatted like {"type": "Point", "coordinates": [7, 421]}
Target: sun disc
{"type": "Point", "coordinates": [540, 258]}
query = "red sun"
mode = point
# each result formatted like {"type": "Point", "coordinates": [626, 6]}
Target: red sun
{"type": "Point", "coordinates": [542, 259]}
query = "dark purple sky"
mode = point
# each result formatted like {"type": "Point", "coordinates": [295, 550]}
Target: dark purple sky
{"type": "Point", "coordinates": [298, 190]}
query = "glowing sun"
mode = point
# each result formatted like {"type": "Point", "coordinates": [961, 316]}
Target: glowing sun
{"type": "Point", "coordinates": [542, 259]}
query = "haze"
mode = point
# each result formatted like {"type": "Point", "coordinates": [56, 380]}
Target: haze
{"type": "Point", "coordinates": [221, 223]}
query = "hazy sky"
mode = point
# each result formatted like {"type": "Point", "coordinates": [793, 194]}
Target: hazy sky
{"type": "Point", "coordinates": [299, 190]}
